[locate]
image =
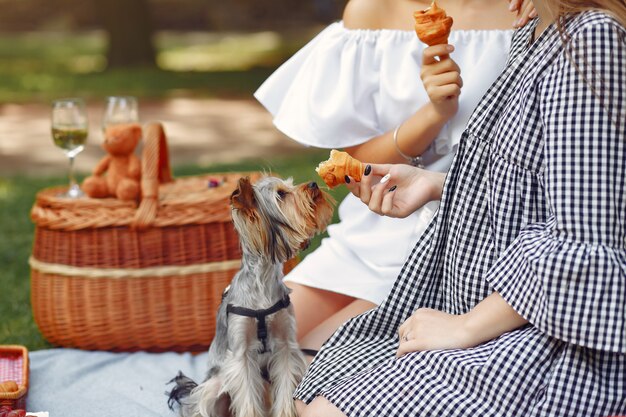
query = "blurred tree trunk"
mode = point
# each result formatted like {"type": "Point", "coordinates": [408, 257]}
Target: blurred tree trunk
{"type": "Point", "coordinates": [129, 28]}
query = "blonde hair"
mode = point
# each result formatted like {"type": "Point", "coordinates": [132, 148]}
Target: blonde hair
{"type": "Point", "coordinates": [614, 8]}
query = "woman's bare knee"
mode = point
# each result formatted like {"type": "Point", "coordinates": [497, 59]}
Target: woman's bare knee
{"type": "Point", "coordinates": [312, 306]}
{"type": "Point", "coordinates": [320, 407]}
{"type": "Point", "coordinates": [316, 337]}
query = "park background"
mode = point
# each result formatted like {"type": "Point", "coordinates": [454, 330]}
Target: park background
{"type": "Point", "coordinates": [192, 64]}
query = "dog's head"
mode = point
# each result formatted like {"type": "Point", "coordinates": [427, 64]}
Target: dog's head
{"type": "Point", "coordinates": [275, 218]}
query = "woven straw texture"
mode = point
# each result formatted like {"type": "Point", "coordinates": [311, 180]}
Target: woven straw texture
{"type": "Point", "coordinates": [111, 275]}
{"type": "Point", "coordinates": [14, 366]}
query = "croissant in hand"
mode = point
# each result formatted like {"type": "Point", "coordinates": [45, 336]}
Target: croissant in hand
{"type": "Point", "coordinates": [432, 25]}
{"type": "Point", "coordinates": [334, 170]}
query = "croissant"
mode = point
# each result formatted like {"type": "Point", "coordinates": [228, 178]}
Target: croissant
{"type": "Point", "coordinates": [9, 386]}
{"type": "Point", "coordinates": [334, 170]}
{"type": "Point", "coordinates": [432, 25]}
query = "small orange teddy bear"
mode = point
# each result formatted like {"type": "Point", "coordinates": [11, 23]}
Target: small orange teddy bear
{"type": "Point", "coordinates": [122, 167]}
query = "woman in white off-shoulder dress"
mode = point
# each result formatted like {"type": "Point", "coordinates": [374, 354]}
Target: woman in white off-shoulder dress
{"type": "Point", "coordinates": [351, 87]}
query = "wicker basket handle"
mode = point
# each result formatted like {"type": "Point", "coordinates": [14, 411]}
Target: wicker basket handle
{"type": "Point", "coordinates": [155, 170]}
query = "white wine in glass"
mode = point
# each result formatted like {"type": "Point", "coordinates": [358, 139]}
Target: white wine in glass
{"type": "Point", "coordinates": [119, 110]}
{"type": "Point", "coordinates": [69, 132]}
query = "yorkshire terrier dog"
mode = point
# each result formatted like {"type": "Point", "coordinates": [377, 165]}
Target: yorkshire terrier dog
{"type": "Point", "coordinates": [255, 362]}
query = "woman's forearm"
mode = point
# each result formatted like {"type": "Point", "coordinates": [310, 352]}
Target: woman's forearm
{"type": "Point", "coordinates": [414, 137]}
{"type": "Point", "coordinates": [439, 180]}
{"type": "Point", "coordinates": [491, 318]}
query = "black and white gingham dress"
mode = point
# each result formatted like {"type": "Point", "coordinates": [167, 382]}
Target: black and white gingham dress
{"type": "Point", "coordinates": [535, 208]}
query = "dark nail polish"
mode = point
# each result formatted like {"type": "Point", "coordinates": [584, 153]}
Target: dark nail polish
{"type": "Point", "coordinates": [347, 179]}
{"type": "Point", "coordinates": [368, 169]}
{"type": "Point", "coordinates": [393, 188]}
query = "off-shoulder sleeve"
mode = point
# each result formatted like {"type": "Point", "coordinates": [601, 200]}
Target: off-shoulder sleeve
{"type": "Point", "coordinates": [347, 85]}
{"type": "Point", "coordinates": [567, 276]}
{"type": "Point", "coordinates": [322, 96]}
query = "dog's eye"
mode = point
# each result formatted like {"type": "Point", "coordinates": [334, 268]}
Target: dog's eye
{"type": "Point", "coordinates": [281, 194]}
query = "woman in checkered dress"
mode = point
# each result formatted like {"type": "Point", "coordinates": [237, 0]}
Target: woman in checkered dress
{"type": "Point", "coordinates": [513, 302]}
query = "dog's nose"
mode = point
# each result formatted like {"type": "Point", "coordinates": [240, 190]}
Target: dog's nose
{"type": "Point", "coordinates": [312, 185]}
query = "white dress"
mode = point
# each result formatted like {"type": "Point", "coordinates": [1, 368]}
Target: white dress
{"type": "Point", "coordinates": [347, 86]}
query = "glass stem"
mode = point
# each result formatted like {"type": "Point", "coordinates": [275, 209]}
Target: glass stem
{"type": "Point", "coordinates": [73, 184]}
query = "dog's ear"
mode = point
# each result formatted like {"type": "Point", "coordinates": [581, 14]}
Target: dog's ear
{"type": "Point", "coordinates": [243, 197]}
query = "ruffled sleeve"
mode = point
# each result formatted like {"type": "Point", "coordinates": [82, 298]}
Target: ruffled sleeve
{"type": "Point", "coordinates": [347, 86]}
{"type": "Point", "coordinates": [319, 97]}
{"type": "Point", "coordinates": [567, 275]}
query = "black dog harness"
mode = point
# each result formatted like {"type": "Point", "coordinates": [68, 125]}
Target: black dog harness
{"type": "Point", "coordinates": [259, 315]}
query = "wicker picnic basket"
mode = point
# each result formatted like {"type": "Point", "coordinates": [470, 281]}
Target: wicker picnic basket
{"type": "Point", "coordinates": [14, 367]}
{"type": "Point", "coordinates": [106, 274]}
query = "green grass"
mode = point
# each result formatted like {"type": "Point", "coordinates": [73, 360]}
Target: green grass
{"type": "Point", "coordinates": [16, 199]}
{"type": "Point", "coordinates": [40, 66]}
{"type": "Point", "coordinates": [16, 322]}
{"type": "Point", "coordinates": [140, 82]}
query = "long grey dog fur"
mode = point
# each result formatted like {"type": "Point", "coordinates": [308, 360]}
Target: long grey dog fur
{"type": "Point", "coordinates": [274, 219]}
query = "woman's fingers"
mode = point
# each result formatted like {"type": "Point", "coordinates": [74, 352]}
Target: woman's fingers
{"type": "Point", "coordinates": [401, 330]}
{"type": "Point", "coordinates": [386, 207]}
{"type": "Point", "coordinates": [378, 192]}
{"type": "Point", "coordinates": [446, 78]}
{"type": "Point", "coordinates": [365, 189]}
{"type": "Point", "coordinates": [405, 337]}
{"type": "Point", "coordinates": [354, 187]}
{"type": "Point", "coordinates": [376, 198]}
{"type": "Point", "coordinates": [408, 346]}
{"type": "Point", "coordinates": [443, 92]}
{"type": "Point", "coordinates": [430, 54]}
{"type": "Point", "coordinates": [514, 5]}
{"type": "Point", "coordinates": [524, 14]}
{"type": "Point", "coordinates": [404, 327]}
{"type": "Point", "coordinates": [439, 67]}
{"type": "Point", "coordinates": [362, 189]}
{"type": "Point", "coordinates": [379, 170]}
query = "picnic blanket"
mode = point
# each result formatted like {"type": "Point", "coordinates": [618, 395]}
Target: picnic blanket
{"type": "Point", "coordinates": [78, 383]}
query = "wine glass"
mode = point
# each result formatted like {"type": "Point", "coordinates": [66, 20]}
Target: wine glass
{"type": "Point", "coordinates": [120, 109]}
{"type": "Point", "coordinates": [69, 132]}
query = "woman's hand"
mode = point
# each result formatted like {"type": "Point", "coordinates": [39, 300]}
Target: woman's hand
{"type": "Point", "coordinates": [442, 80]}
{"type": "Point", "coordinates": [524, 11]}
{"type": "Point", "coordinates": [429, 329]}
{"type": "Point", "coordinates": [397, 190]}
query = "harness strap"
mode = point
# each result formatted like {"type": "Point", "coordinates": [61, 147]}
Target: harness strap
{"type": "Point", "coordinates": [259, 315]}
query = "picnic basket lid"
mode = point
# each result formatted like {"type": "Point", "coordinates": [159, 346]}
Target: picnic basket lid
{"type": "Point", "coordinates": [164, 201]}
